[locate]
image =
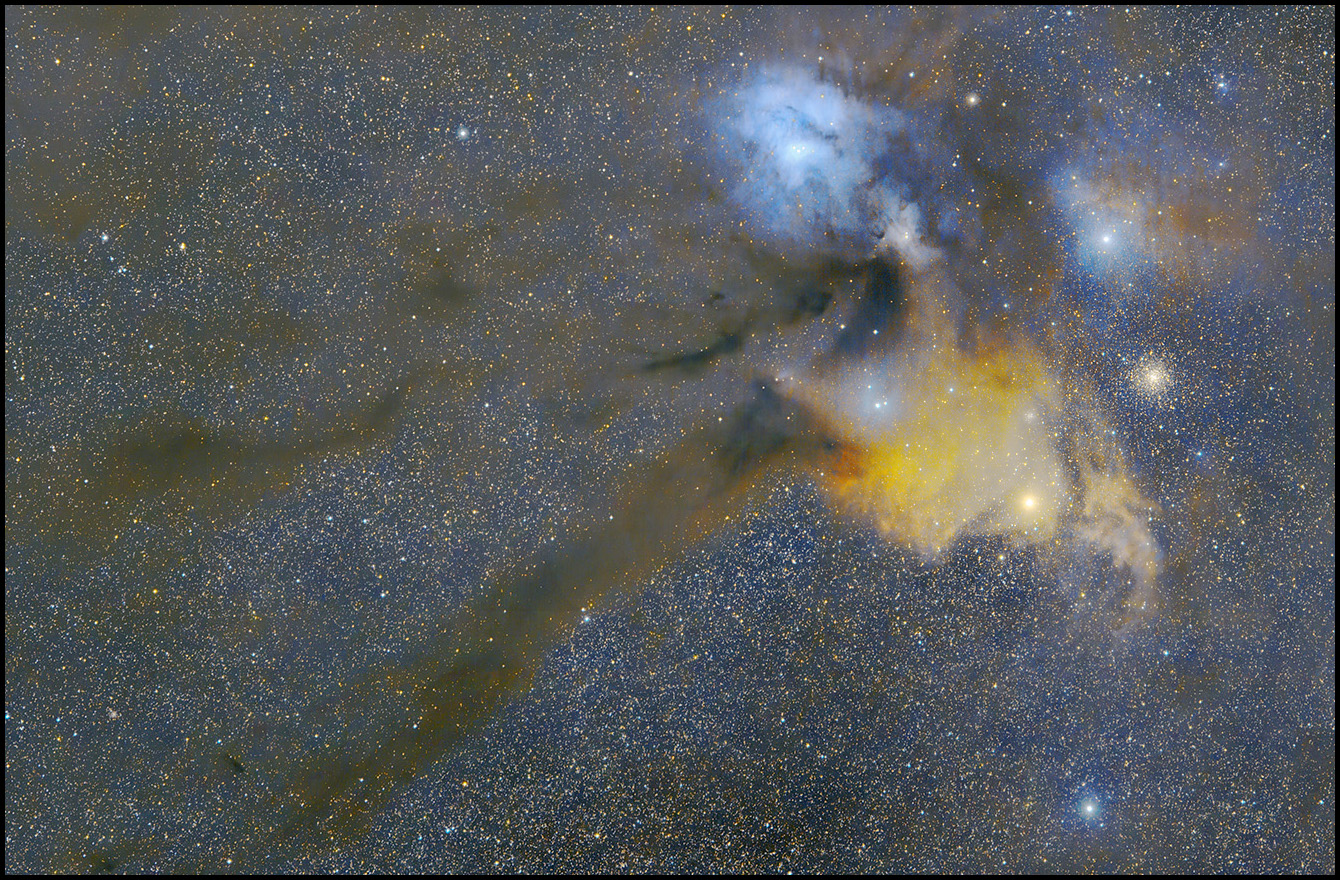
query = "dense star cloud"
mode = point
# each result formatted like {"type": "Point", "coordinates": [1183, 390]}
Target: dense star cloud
{"type": "Point", "coordinates": [675, 440]}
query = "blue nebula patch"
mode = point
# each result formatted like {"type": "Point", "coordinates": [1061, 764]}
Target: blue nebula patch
{"type": "Point", "coordinates": [806, 162]}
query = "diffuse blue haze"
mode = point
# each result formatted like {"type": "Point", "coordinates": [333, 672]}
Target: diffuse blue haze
{"type": "Point", "coordinates": [670, 440]}
{"type": "Point", "coordinates": [803, 158]}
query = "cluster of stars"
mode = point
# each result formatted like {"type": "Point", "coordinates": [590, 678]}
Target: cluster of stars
{"type": "Point", "coordinates": [395, 480]}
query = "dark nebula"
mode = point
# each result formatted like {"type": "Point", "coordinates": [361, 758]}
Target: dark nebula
{"type": "Point", "coordinates": [670, 440]}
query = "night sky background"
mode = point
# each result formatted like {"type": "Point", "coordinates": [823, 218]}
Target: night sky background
{"type": "Point", "coordinates": [675, 440]}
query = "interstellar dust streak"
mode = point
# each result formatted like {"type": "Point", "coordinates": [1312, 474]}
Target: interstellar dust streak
{"type": "Point", "coordinates": [489, 650]}
{"type": "Point", "coordinates": [718, 440]}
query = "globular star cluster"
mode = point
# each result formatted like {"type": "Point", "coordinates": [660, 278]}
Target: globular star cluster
{"type": "Point", "coordinates": [671, 440]}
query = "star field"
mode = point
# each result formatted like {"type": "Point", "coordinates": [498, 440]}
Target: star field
{"type": "Point", "coordinates": [672, 440]}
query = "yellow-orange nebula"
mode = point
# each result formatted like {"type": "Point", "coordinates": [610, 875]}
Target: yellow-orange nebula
{"type": "Point", "coordinates": [946, 439]}
{"type": "Point", "coordinates": [969, 446]}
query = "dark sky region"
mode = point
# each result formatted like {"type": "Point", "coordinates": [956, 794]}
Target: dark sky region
{"type": "Point", "coordinates": [670, 440]}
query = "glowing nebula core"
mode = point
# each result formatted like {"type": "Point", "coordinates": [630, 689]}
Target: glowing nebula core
{"type": "Point", "coordinates": [951, 430]}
